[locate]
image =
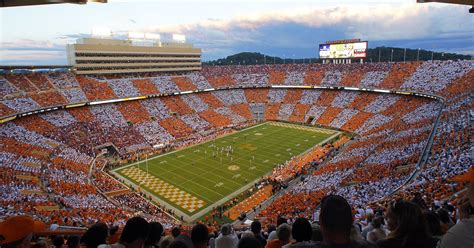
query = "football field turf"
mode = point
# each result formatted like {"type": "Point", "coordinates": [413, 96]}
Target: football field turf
{"type": "Point", "coordinates": [193, 179]}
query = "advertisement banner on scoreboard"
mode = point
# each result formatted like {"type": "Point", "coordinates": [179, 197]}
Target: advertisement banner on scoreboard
{"type": "Point", "coordinates": [343, 51]}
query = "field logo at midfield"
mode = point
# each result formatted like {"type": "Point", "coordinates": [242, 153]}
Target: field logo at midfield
{"type": "Point", "coordinates": [233, 167]}
{"type": "Point", "coordinates": [249, 147]}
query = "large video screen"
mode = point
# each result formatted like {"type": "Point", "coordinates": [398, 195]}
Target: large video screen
{"type": "Point", "coordinates": [343, 51]}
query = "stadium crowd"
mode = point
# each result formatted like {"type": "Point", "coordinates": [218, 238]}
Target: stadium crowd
{"type": "Point", "coordinates": [46, 167]}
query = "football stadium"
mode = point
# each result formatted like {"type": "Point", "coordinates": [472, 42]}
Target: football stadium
{"type": "Point", "coordinates": [146, 138]}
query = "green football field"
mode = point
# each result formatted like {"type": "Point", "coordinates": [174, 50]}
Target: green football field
{"type": "Point", "coordinates": [193, 179]}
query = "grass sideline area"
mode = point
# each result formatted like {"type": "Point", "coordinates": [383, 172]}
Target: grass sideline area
{"type": "Point", "coordinates": [194, 178]}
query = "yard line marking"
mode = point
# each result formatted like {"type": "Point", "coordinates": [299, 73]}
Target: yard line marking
{"type": "Point", "coordinates": [162, 162]}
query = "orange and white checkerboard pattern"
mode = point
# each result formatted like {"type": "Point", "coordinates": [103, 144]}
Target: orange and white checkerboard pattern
{"type": "Point", "coordinates": [312, 129]}
{"type": "Point", "coordinates": [164, 189]}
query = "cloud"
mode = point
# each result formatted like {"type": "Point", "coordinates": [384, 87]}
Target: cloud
{"type": "Point", "coordinates": [31, 52]}
{"type": "Point", "coordinates": [302, 29]}
{"type": "Point", "coordinates": [296, 31]}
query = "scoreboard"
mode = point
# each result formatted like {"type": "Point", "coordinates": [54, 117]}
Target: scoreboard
{"type": "Point", "coordinates": [343, 50]}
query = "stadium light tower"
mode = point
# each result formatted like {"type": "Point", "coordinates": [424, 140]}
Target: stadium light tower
{"type": "Point", "coordinates": [418, 55]}
{"type": "Point", "coordinates": [391, 57]}
{"type": "Point", "coordinates": [404, 55]}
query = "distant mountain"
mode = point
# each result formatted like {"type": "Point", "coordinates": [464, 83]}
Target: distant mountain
{"type": "Point", "coordinates": [251, 58]}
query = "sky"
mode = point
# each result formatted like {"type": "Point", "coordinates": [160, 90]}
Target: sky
{"type": "Point", "coordinates": [38, 35]}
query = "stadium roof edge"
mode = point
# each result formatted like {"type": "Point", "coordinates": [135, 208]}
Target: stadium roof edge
{"type": "Point", "coordinates": [19, 3]}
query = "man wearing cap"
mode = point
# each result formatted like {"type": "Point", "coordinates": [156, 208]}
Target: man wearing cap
{"type": "Point", "coordinates": [461, 234]}
{"type": "Point", "coordinates": [17, 231]}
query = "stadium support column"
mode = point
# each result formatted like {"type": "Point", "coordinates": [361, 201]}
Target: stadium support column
{"type": "Point", "coordinates": [404, 55]}
{"type": "Point", "coordinates": [380, 51]}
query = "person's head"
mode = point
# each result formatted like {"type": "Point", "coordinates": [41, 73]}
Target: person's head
{"type": "Point", "coordinates": [284, 232]}
{"type": "Point", "coordinates": [73, 241]}
{"type": "Point", "coordinates": [281, 220]}
{"type": "Point", "coordinates": [249, 242]}
{"type": "Point", "coordinates": [199, 235]}
{"type": "Point", "coordinates": [156, 230]}
{"type": "Point", "coordinates": [405, 220]}
{"type": "Point", "coordinates": [301, 230]}
{"type": "Point", "coordinates": [175, 232]}
{"type": "Point", "coordinates": [256, 227]}
{"type": "Point", "coordinates": [468, 178]}
{"type": "Point", "coordinates": [135, 232]}
{"type": "Point", "coordinates": [225, 229]}
{"type": "Point", "coordinates": [164, 242]}
{"type": "Point", "coordinates": [377, 221]}
{"type": "Point", "coordinates": [58, 241]}
{"type": "Point", "coordinates": [443, 215]}
{"type": "Point", "coordinates": [177, 244]}
{"type": "Point", "coordinates": [434, 223]}
{"type": "Point", "coordinates": [465, 208]}
{"type": "Point", "coordinates": [335, 219]}
{"type": "Point", "coordinates": [95, 235]}
{"type": "Point", "coordinates": [247, 233]}
{"type": "Point", "coordinates": [271, 228]}
{"type": "Point", "coordinates": [316, 235]}
{"type": "Point", "coordinates": [17, 231]}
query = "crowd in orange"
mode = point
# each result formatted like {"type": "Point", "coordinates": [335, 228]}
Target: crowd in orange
{"type": "Point", "coordinates": [385, 153]}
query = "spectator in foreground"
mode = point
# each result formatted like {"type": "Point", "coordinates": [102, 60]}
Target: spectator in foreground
{"type": "Point", "coordinates": [461, 234]}
{"type": "Point", "coordinates": [377, 232]}
{"type": "Point", "coordinates": [17, 231]}
{"type": "Point", "coordinates": [434, 224]}
{"type": "Point", "coordinates": [272, 234]}
{"type": "Point", "coordinates": [226, 239]}
{"type": "Point", "coordinates": [283, 233]}
{"type": "Point", "coordinates": [336, 222]}
{"type": "Point", "coordinates": [175, 232]}
{"type": "Point", "coordinates": [256, 228]}
{"type": "Point", "coordinates": [134, 234]}
{"type": "Point", "coordinates": [156, 230]}
{"type": "Point", "coordinates": [96, 235]}
{"type": "Point", "coordinates": [302, 233]}
{"type": "Point", "coordinates": [408, 227]}
{"type": "Point", "coordinates": [200, 236]}
{"type": "Point", "coordinates": [249, 242]}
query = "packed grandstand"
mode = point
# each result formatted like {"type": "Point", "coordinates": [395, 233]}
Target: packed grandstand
{"type": "Point", "coordinates": [410, 126]}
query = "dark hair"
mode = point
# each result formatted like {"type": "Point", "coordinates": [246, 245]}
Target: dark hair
{"type": "Point", "coordinates": [271, 228]}
{"type": "Point", "coordinates": [156, 230]}
{"type": "Point", "coordinates": [443, 215]}
{"type": "Point", "coordinates": [411, 223]}
{"type": "Point", "coordinates": [135, 229]}
{"type": "Point", "coordinates": [336, 215]}
{"type": "Point", "coordinates": [301, 230]}
{"type": "Point", "coordinates": [177, 244]}
{"type": "Point", "coordinates": [95, 235]}
{"type": "Point", "coordinates": [175, 232]}
{"type": "Point", "coordinates": [377, 221]}
{"type": "Point", "coordinates": [199, 234]}
{"type": "Point", "coordinates": [256, 227]}
{"type": "Point", "coordinates": [434, 223]}
{"type": "Point", "coordinates": [58, 241]}
{"type": "Point", "coordinates": [249, 242]}
{"type": "Point", "coordinates": [73, 241]}
{"type": "Point", "coordinates": [281, 220]}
